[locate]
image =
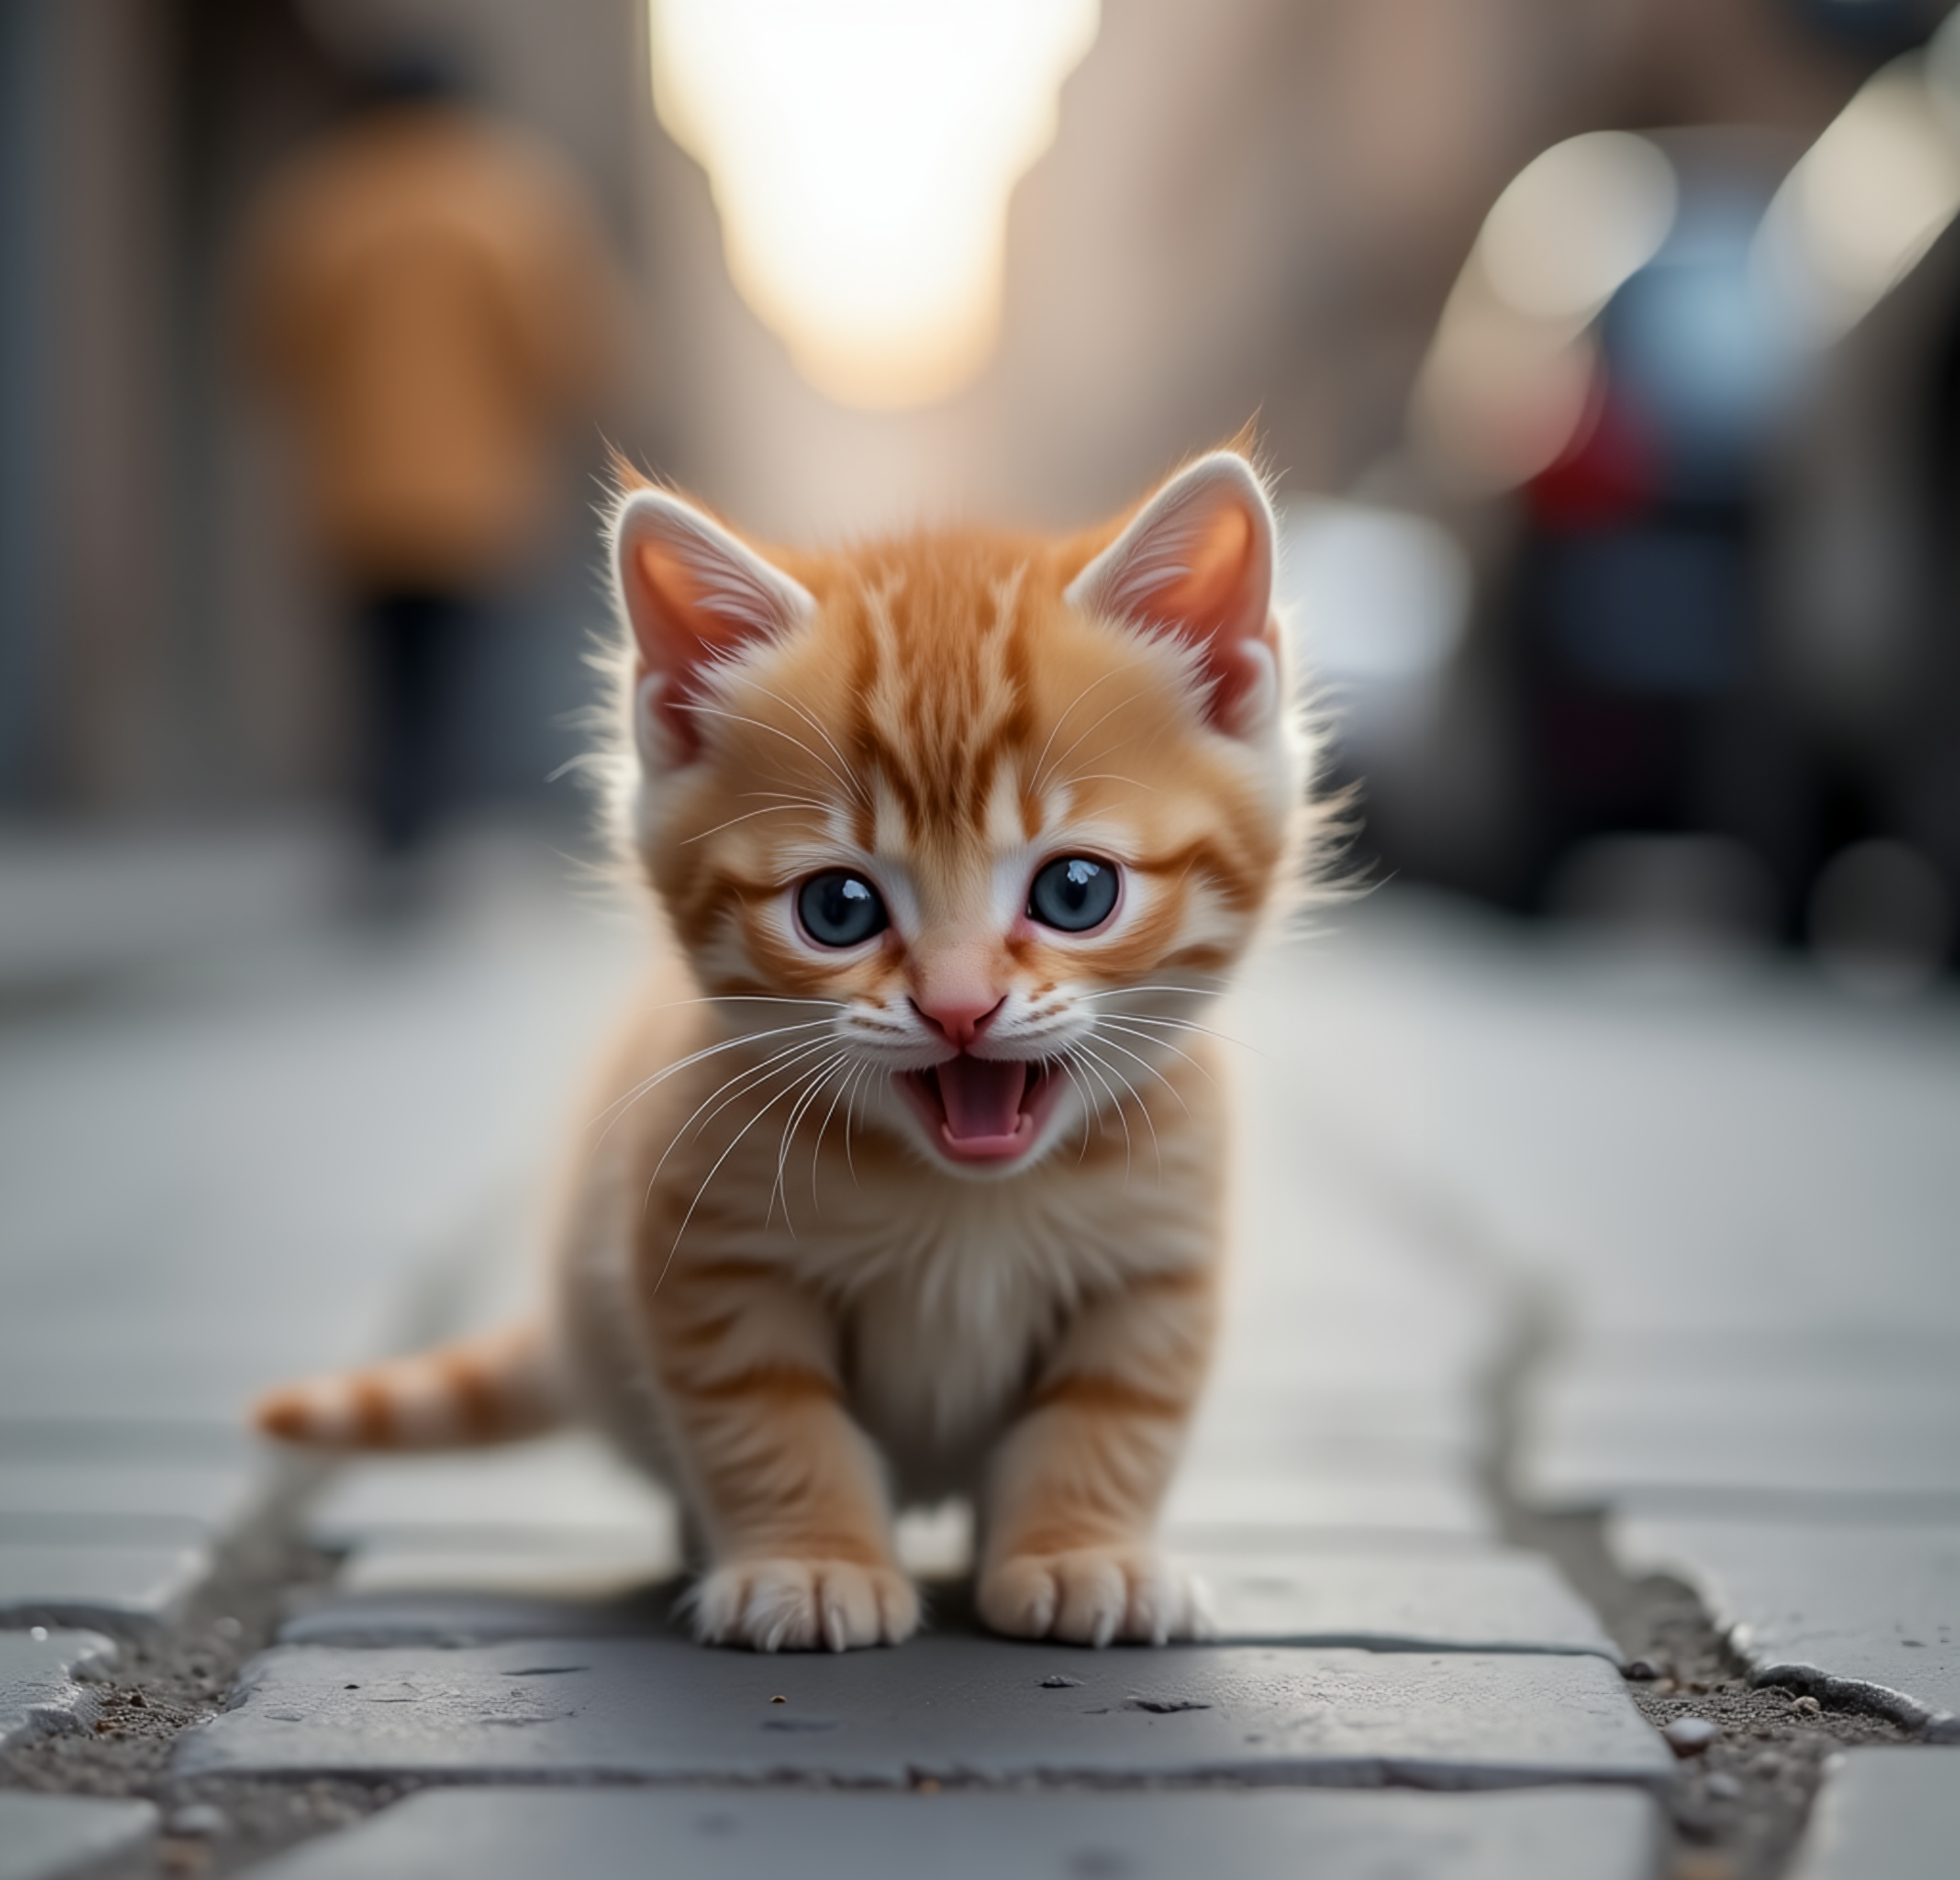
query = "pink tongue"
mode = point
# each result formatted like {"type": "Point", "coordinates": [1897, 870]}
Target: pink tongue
{"type": "Point", "coordinates": [982, 1096]}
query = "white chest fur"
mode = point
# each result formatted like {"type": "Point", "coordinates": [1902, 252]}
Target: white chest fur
{"type": "Point", "coordinates": [947, 1309]}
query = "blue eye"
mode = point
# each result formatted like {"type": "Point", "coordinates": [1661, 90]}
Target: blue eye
{"type": "Point", "coordinates": [840, 909]}
{"type": "Point", "coordinates": [1073, 893]}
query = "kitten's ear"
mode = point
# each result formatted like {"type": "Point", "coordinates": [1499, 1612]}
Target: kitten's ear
{"type": "Point", "coordinates": [694, 596]}
{"type": "Point", "coordinates": [1197, 561]}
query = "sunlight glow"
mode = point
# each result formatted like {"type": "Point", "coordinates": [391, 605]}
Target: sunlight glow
{"type": "Point", "coordinates": [862, 154]}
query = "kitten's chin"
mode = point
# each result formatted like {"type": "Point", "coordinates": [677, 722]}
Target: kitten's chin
{"type": "Point", "coordinates": [982, 1116]}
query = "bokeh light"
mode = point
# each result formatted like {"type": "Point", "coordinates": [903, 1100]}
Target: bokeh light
{"type": "Point", "coordinates": [862, 154]}
{"type": "Point", "coordinates": [1510, 374]}
{"type": "Point", "coordinates": [1871, 195]}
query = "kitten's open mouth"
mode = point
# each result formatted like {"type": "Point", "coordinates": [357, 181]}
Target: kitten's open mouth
{"type": "Point", "coordinates": [982, 1109]}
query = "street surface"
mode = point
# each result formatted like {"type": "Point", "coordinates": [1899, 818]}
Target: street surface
{"type": "Point", "coordinates": [1591, 1372]}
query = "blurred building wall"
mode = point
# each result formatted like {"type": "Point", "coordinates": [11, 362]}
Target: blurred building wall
{"type": "Point", "coordinates": [1253, 208]}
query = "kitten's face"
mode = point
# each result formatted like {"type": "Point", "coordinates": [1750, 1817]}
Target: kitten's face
{"type": "Point", "coordinates": [992, 843]}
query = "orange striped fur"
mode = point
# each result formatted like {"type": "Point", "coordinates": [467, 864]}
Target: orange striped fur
{"type": "Point", "coordinates": [938, 1209]}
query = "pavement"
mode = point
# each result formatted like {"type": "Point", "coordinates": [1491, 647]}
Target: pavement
{"type": "Point", "coordinates": [1580, 1486]}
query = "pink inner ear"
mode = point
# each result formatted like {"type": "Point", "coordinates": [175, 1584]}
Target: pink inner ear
{"type": "Point", "coordinates": [675, 635]}
{"type": "Point", "coordinates": [1198, 560]}
{"type": "Point", "coordinates": [1224, 601]}
{"type": "Point", "coordinates": [693, 595]}
{"type": "Point", "coordinates": [1209, 598]}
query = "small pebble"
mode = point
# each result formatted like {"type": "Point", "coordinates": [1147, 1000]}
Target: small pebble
{"type": "Point", "coordinates": [1689, 1736]}
{"type": "Point", "coordinates": [38, 1633]}
{"type": "Point", "coordinates": [1055, 1681]}
{"type": "Point", "coordinates": [1807, 1707]}
{"type": "Point", "coordinates": [779, 1701]}
{"type": "Point", "coordinates": [1642, 1670]}
{"type": "Point", "coordinates": [228, 1628]}
{"type": "Point", "coordinates": [1723, 1786]}
{"type": "Point", "coordinates": [202, 1820]}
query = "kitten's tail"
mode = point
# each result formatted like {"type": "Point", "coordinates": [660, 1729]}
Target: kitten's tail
{"type": "Point", "coordinates": [495, 1387]}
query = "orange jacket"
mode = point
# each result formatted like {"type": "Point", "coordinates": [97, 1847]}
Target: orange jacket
{"type": "Point", "coordinates": [430, 295]}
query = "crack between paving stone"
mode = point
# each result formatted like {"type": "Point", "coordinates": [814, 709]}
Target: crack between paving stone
{"type": "Point", "coordinates": [168, 1678]}
{"type": "Point", "coordinates": [1771, 1753]}
{"type": "Point", "coordinates": [1739, 1810]}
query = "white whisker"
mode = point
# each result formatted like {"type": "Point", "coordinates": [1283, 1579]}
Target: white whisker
{"type": "Point", "coordinates": [812, 1089]}
{"type": "Point", "coordinates": [1055, 730]}
{"type": "Point", "coordinates": [674, 1247]}
{"type": "Point", "coordinates": [850, 771]}
{"type": "Point", "coordinates": [748, 1076]}
{"type": "Point", "coordinates": [1092, 1067]}
{"type": "Point", "coordinates": [624, 1103]}
{"type": "Point", "coordinates": [767, 809]}
{"type": "Point", "coordinates": [1190, 992]}
{"type": "Point", "coordinates": [1179, 1024]}
{"type": "Point", "coordinates": [839, 777]}
{"type": "Point", "coordinates": [1177, 1095]}
{"type": "Point", "coordinates": [851, 1104]}
{"type": "Point", "coordinates": [1062, 1064]}
{"type": "Point", "coordinates": [1090, 731]}
{"type": "Point", "coordinates": [783, 1060]}
{"type": "Point", "coordinates": [1162, 1044]}
{"type": "Point", "coordinates": [1143, 1109]}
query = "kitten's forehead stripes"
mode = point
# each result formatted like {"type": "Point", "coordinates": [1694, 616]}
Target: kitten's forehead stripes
{"type": "Point", "coordinates": [936, 712]}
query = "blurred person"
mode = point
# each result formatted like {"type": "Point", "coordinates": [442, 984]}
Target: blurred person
{"type": "Point", "coordinates": [428, 295]}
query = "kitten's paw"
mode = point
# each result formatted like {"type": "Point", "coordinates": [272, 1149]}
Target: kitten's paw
{"type": "Point", "coordinates": [1092, 1595]}
{"type": "Point", "coordinates": [803, 1605]}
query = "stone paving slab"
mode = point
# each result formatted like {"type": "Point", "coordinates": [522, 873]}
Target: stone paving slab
{"type": "Point", "coordinates": [71, 1837]}
{"type": "Point", "coordinates": [946, 1706]}
{"type": "Point", "coordinates": [1468, 1601]}
{"type": "Point", "coordinates": [1731, 1428]}
{"type": "Point", "coordinates": [587, 1567]}
{"type": "Point", "coordinates": [39, 1691]}
{"type": "Point", "coordinates": [449, 1619]}
{"type": "Point", "coordinates": [76, 904]}
{"type": "Point", "coordinates": [1247, 1429]}
{"type": "Point", "coordinates": [108, 1442]}
{"type": "Point", "coordinates": [1890, 1814]}
{"type": "Point", "coordinates": [430, 1063]}
{"type": "Point", "coordinates": [626, 1834]}
{"type": "Point", "coordinates": [151, 1499]}
{"type": "Point", "coordinates": [1208, 1506]}
{"type": "Point", "coordinates": [125, 1587]}
{"type": "Point", "coordinates": [1447, 1600]}
{"type": "Point", "coordinates": [79, 1366]}
{"type": "Point", "coordinates": [1855, 1604]}
{"type": "Point", "coordinates": [565, 1484]}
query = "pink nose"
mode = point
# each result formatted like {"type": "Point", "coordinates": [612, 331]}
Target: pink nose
{"type": "Point", "coordinates": [959, 1021]}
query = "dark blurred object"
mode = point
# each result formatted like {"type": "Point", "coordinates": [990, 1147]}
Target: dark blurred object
{"type": "Point", "coordinates": [1880, 27]}
{"type": "Point", "coordinates": [1694, 403]}
{"type": "Point", "coordinates": [1697, 891]}
{"type": "Point", "coordinates": [428, 295]}
{"type": "Point", "coordinates": [1881, 918]}
{"type": "Point", "coordinates": [1641, 673]}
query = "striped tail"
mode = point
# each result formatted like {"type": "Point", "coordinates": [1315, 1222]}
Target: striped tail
{"type": "Point", "coordinates": [495, 1387]}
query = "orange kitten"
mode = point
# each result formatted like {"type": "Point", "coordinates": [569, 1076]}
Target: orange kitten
{"type": "Point", "coordinates": [912, 1179]}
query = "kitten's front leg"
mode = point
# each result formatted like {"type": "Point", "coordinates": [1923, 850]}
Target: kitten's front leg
{"type": "Point", "coordinates": [1074, 1492]}
{"type": "Point", "coordinates": [789, 1491]}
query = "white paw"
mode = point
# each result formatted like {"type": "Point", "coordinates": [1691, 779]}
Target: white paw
{"type": "Point", "coordinates": [803, 1605]}
{"type": "Point", "coordinates": [1094, 1595]}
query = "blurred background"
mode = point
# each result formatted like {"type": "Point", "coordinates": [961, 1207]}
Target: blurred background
{"type": "Point", "coordinates": [1607, 352]}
